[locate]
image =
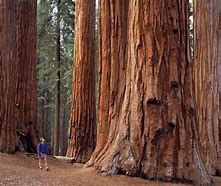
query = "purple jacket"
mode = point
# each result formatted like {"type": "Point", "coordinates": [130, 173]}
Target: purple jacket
{"type": "Point", "coordinates": [42, 148]}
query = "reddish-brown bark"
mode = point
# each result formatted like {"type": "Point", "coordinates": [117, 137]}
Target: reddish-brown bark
{"type": "Point", "coordinates": [83, 111]}
{"type": "Point", "coordinates": [112, 65]}
{"type": "Point", "coordinates": [18, 76]}
{"type": "Point", "coordinates": [146, 112]}
{"type": "Point", "coordinates": [8, 139]}
{"type": "Point", "coordinates": [206, 24]}
{"type": "Point", "coordinates": [26, 72]}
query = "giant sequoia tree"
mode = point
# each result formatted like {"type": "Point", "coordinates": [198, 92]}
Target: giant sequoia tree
{"type": "Point", "coordinates": [146, 112]}
{"type": "Point", "coordinates": [83, 114]}
{"type": "Point", "coordinates": [26, 79]}
{"type": "Point", "coordinates": [8, 140]}
{"type": "Point", "coordinates": [206, 79]}
{"type": "Point", "coordinates": [18, 76]}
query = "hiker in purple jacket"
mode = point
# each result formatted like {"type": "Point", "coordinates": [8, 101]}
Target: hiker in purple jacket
{"type": "Point", "coordinates": [42, 153]}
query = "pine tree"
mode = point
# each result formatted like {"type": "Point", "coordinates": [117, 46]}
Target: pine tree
{"type": "Point", "coordinates": [47, 67]}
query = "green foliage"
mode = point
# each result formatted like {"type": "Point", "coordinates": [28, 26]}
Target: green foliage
{"type": "Point", "coordinates": [47, 23]}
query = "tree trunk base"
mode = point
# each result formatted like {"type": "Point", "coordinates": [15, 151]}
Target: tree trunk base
{"type": "Point", "coordinates": [25, 143]}
{"type": "Point", "coordinates": [122, 161]}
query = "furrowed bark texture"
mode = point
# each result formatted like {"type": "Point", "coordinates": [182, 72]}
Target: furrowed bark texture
{"type": "Point", "coordinates": [146, 110]}
{"type": "Point", "coordinates": [112, 40]}
{"type": "Point", "coordinates": [206, 80]}
{"type": "Point", "coordinates": [8, 140]}
{"type": "Point", "coordinates": [26, 72]}
{"type": "Point", "coordinates": [83, 111]}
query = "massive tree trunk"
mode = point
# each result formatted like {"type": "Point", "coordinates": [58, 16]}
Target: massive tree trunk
{"type": "Point", "coordinates": [8, 139]}
{"type": "Point", "coordinates": [58, 84]}
{"type": "Point", "coordinates": [146, 110]}
{"type": "Point", "coordinates": [83, 113]}
{"type": "Point", "coordinates": [26, 74]}
{"type": "Point", "coordinates": [112, 40]}
{"type": "Point", "coordinates": [206, 21]}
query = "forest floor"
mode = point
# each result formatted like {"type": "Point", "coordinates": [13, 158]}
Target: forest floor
{"type": "Point", "coordinates": [22, 169]}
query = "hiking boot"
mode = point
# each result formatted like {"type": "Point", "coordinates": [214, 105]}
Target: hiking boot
{"type": "Point", "coordinates": [47, 169]}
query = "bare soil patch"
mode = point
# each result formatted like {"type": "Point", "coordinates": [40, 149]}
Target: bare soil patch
{"type": "Point", "coordinates": [22, 169]}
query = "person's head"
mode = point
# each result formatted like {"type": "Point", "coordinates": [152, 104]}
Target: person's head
{"type": "Point", "coordinates": [42, 140]}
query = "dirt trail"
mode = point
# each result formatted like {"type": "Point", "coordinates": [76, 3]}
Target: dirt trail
{"type": "Point", "coordinates": [21, 169]}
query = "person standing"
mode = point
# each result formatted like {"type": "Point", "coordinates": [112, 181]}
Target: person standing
{"type": "Point", "coordinates": [42, 154]}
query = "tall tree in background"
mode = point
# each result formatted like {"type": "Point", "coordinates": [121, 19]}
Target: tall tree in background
{"type": "Point", "coordinates": [8, 139]}
{"type": "Point", "coordinates": [47, 68]}
{"type": "Point", "coordinates": [58, 83]}
{"type": "Point", "coordinates": [67, 33]}
{"type": "Point", "coordinates": [26, 76]}
{"type": "Point", "coordinates": [146, 108]}
{"type": "Point", "coordinates": [206, 22]}
{"type": "Point", "coordinates": [83, 110]}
